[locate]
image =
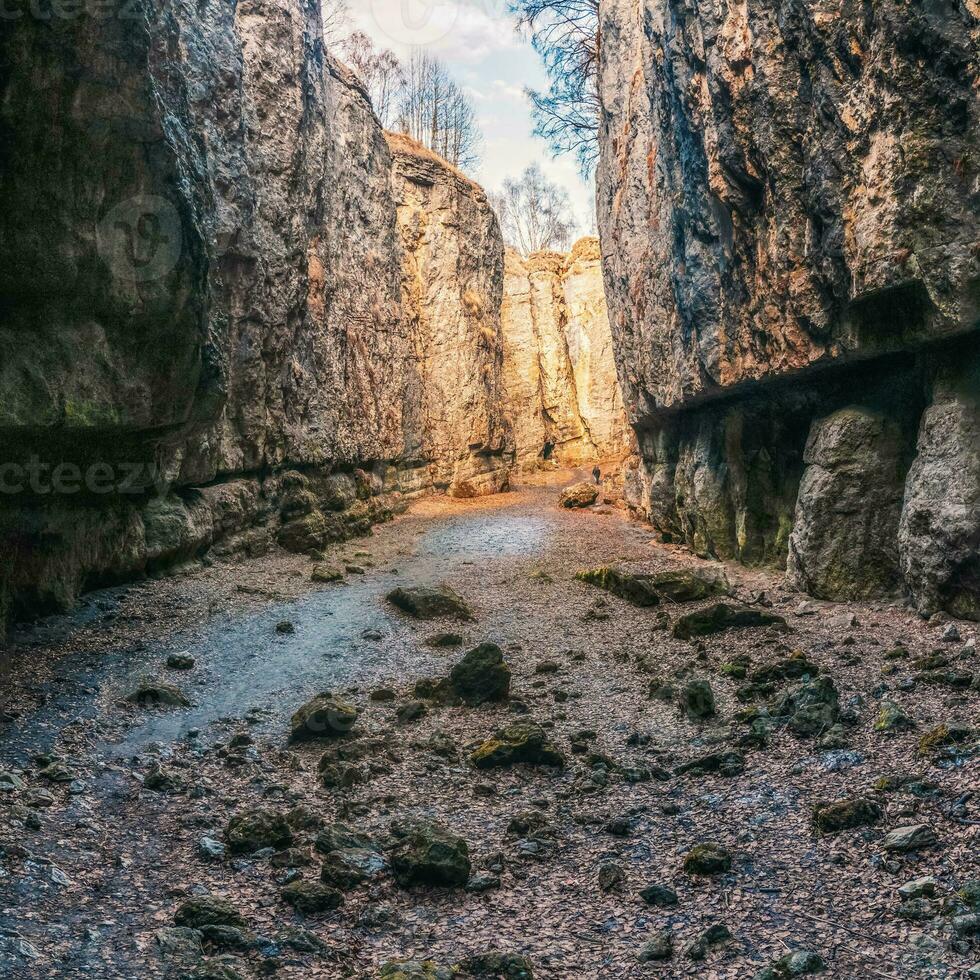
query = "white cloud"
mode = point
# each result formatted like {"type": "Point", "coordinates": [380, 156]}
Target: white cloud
{"type": "Point", "coordinates": [477, 41]}
{"type": "Point", "coordinates": [459, 31]}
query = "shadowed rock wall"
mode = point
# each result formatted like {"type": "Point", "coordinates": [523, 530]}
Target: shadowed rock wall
{"type": "Point", "coordinates": [203, 342]}
{"type": "Point", "coordinates": [788, 206]}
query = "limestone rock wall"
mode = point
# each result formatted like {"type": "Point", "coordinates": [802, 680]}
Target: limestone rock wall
{"type": "Point", "coordinates": [783, 186]}
{"type": "Point", "coordinates": [452, 284]}
{"type": "Point", "coordinates": [204, 344]}
{"type": "Point", "coordinates": [787, 200]}
{"type": "Point", "coordinates": [559, 373]}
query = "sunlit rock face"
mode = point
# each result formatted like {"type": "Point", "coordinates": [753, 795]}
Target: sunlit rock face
{"type": "Point", "coordinates": [452, 282]}
{"type": "Point", "coordinates": [788, 211]}
{"type": "Point", "coordinates": [559, 374]}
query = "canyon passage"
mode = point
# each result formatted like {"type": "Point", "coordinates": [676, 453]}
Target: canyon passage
{"type": "Point", "coordinates": [381, 599]}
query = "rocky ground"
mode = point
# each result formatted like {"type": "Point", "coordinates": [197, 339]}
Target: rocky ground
{"type": "Point", "coordinates": [622, 780]}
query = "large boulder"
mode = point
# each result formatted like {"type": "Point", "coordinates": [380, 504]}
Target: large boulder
{"type": "Point", "coordinates": [429, 602]}
{"type": "Point", "coordinates": [680, 585]}
{"type": "Point", "coordinates": [325, 716]}
{"type": "Point", "coordinates": [723, 616]}
{"type": "Point", "coordinates": [939, 533]}
{"type": "Point", "coordinates": [426, 853]}
{"type": "Point", "coordinates": [481, 676]}
{"type": "Point", "coordinates": [522, 742]}
{"type": "Point", "coordinates": [844, 539]}
{"type": "Point", "coordinates": [256, 829]}
{"type": "Point", "coordinates": [578, 495]}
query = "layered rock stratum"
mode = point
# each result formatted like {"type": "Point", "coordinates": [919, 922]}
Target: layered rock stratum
{"type": "Point", "coordinates": [788, 205]}
{"type": "Point", "coordinates": [560, 376]}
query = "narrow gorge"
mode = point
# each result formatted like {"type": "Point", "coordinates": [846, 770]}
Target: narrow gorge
{"type": "Point", "coordinates": [313, 334]}
{"type": "Point", "coordinates": [399, 583]}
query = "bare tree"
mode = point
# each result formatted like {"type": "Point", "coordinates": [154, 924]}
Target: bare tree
{"type": "Point", "coordinates": [534, 213]}
{"type": "Point", "coordinates": [565, 33]}
{"type": "Point", "coordinates": [435, 112]}
{"type": "Point", "coordinates": [380, 71]}
{"type": "Point", "coordinates": [336, 21]}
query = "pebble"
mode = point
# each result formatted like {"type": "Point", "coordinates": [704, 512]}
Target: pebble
{"type": "Point", "coordinates": [211, 849]}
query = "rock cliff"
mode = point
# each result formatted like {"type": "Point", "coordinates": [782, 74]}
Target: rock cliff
{"type": "Point", "coordinates": [452, 283]}
{"type": "Point", "coordinates": [788, 210]}
{"type": "Point", "coordinates": [560, 377]}
{"type": "Point", "coordinates": [204, 343]}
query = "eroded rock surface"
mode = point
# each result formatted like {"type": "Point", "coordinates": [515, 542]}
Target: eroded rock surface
{"type": "Point", "coordinates": [560, 375]}
{"type": "Point", "coordinates": [235, 318]}
{"type": "Point", "coordinates": [786, 233]}
{"type": "Point", "coordinates": [452, 282]}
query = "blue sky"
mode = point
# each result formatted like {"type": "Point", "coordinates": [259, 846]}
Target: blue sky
{"type": "Point", "coordinates": [477, 41]}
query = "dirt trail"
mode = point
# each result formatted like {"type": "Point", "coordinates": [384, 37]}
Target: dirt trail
{"type": "Point", "coordinates": [88, 876]}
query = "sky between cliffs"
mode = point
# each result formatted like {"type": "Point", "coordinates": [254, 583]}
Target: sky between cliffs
{"type": "Point", "coordinates": [477, 41]}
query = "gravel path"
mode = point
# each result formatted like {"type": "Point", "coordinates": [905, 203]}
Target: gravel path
{"type": "Point", "coordinates": [91, 869]}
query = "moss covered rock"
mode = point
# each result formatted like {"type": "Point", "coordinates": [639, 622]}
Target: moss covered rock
{"type": "Point", "coordinates": [831, 818]}
{"type": "Point", "coordinates": [416, 970]}
{"type": "Point", "coordinates": [324, 716]}
{"type": "Point", "coordinates": [707, 859]}
{"type": "Point", "coordinates": [698, 699]}
{"type": "Point", "coordinates": [497, 965]}
{"type": "Point", "coordinates": [154, 693]}
{"type": "Point", "coordinates": [812, 707]}
{"type": "Point", "coordinates": [798, 963]}
{"type": "Point", "coordinates": [481, 676]}
{"type": "Point", "coordinates": [339, 836]}
{"type": "Point", "coordinates": [208, 910]}
{"type": "Point", "coordinates": [651, 589]}
{"type": "Point", "coordinates": [791, 667]}
{"type": "Point", "coordinates": [428, 602]}
{"type": "Point", "coordinates": [348, 867]}
{"type": "Point", "coordinates": [426, 853]}
{"type": "Point", "coordinates": [311, 897]}
{"type": "Point", "coordinates": [892, 718]}
{"type": "Point", "coordinates": [522, 742]}
{"type": "Point", "coordinates": [943, 737]}
{"type": "Point", "coordinates": [257, 828]}
{"type": "Point", "coordinates": [723, 616]}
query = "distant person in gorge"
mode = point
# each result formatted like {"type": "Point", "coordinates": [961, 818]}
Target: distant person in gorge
{"type": "Point", "coordinates": [596, 474]}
